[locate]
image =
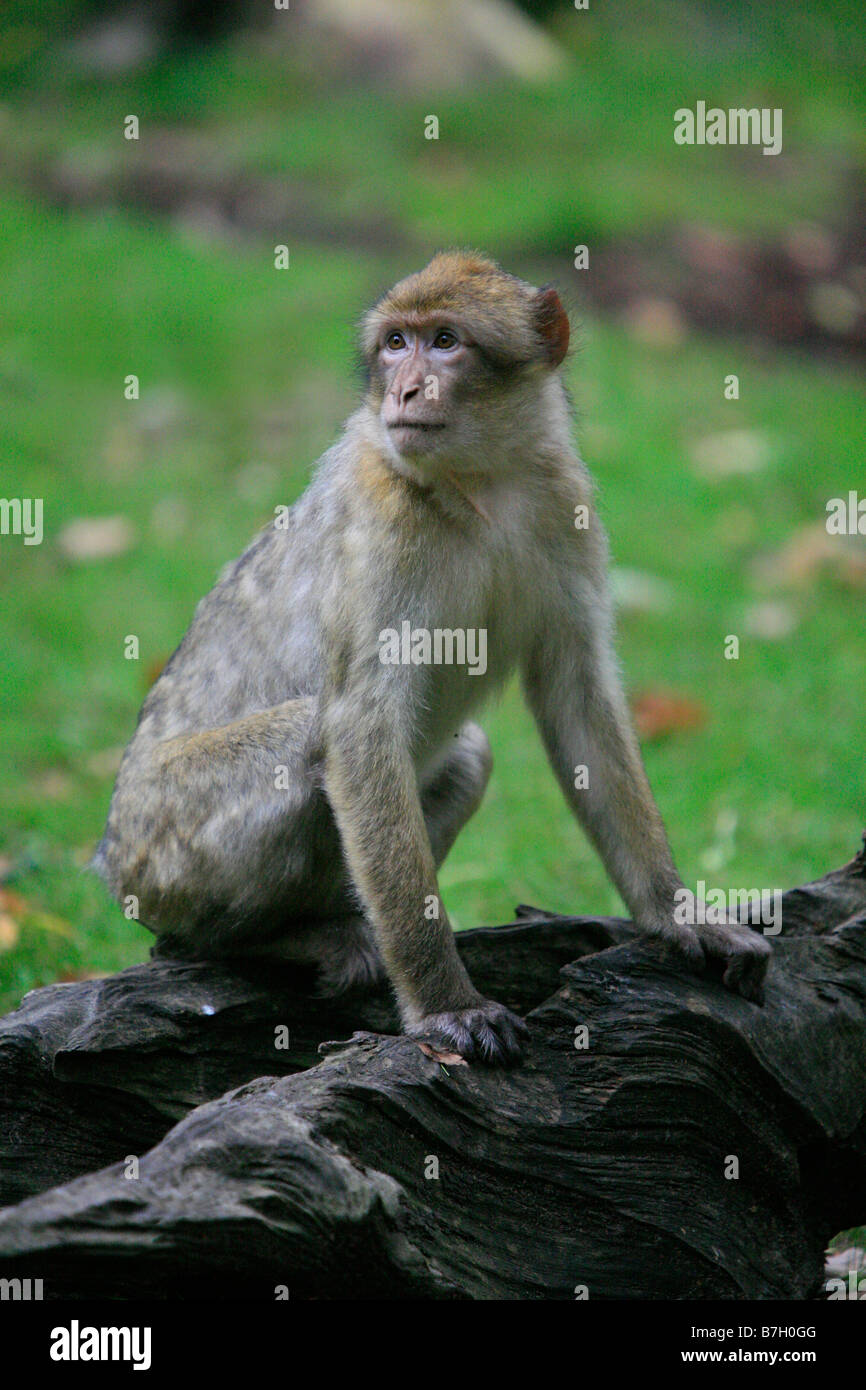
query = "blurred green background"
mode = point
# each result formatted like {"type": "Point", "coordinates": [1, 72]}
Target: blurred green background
{"type": "Point", "coordinates": [307, 127]}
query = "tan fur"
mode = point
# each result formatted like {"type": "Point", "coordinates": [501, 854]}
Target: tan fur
{"type": "Point", "coordinates": [287, 791]}
{"type": "Point", "coordinates": [469, 287]}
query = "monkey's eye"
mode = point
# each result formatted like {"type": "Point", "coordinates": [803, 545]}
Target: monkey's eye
{"type": "Point", "coordinates": [445, 339]}
{"type": "Point", "coordinates": [395, 341]}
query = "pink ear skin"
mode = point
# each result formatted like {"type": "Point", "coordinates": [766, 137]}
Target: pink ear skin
{"type": "Point", "coordinates": [552, 322]}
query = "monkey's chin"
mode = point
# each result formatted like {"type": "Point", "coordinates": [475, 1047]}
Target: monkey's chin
{"type": "Point", "coordinates": [414, 452]}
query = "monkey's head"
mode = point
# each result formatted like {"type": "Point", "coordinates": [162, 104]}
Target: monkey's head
{"type": "Point", "coordinates": [457, 355]}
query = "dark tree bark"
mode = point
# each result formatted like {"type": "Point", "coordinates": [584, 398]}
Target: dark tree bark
{"type": "Point", "coordinates": [696, 1147]}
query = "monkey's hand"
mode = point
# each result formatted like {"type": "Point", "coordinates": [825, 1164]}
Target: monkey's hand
{"type": "Point", "coordinates": [743, 952]}
{"type": "Point", "coordinates": [485, 1032]}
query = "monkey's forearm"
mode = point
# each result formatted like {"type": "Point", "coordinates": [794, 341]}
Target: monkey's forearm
{"type": "Point", "coordinates": [619, 813]}
{"type": "Point", "coordinates": [370, 782]}
{"type": "Point", "coordinates": [594, 753]}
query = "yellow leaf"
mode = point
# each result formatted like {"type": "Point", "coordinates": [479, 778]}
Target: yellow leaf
{"type": "Point", "coordinates": [8, 932]}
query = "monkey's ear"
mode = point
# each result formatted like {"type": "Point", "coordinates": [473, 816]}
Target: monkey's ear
{"type": "Point", "coordinates": [552, 323]}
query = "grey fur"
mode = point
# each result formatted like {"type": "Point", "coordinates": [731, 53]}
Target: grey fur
{"type": "Point", "coordinates": [471, 528]}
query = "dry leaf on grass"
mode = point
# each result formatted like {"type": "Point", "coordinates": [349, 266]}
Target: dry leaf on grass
{"type": "Point", "coordinates": [655, 321]}
{"type": "Point", "coordinates": [96, 538]}
{"type": "Point", "coordinates": [12, 902]}
{"type": "Point", "coordinates": [9, 931]}
{"type": "Point", "coordinates": [810, 552]}
{"type": "Point", "coordinates": [770, 620]}
{"type": "Point", "coordinates": [661, 712]}
{"type": "Point", "coordinates": [640, 592]}
{"type": "Point", "coordinates": [730, 453]}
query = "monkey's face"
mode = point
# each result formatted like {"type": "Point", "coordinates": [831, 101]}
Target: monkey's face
{"type": "Point", "coordinates": [427, 373]}
{"type": "Point", "coordinates": [457, 355]}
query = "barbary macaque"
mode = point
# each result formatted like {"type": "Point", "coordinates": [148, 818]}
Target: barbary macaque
{"type": "Point", "coordinates": [303, 764]}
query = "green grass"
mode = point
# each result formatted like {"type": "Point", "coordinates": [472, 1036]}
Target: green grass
{"type": "Point", "coordinates": [245, 377]}
{"type": "Point", "coordinates": [516, 167]}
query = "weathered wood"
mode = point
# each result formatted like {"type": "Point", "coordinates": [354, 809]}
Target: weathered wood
{"type": "Point", "coordinates": [603, 1166]}
{"type": "Point", "coordinates": [92, 1071]}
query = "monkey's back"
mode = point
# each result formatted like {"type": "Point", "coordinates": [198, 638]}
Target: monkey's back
{"type": "Point", "coordinates": [254, 640]}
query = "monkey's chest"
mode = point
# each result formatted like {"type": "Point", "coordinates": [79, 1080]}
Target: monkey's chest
{"type": "Point", "coordinates": [468, 642]}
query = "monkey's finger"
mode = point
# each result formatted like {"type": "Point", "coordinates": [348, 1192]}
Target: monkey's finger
{"type": "Point", "coordinates": [462, 1040]}
{"type": "Point", "coordinates": [489, 1033]}
{"type": "Point", "coordinates": [683, 943]}
{"type": "Point", "coordinates": [446, 1032]}
{"type": "Point", "coordinates": [745, 954]}
{"type": "Point", "coordinates": [506, 1019]}
{"type": "Point", "coordinates": [745, 974]}
{"type": "Point", "coordinates": [501, 1038]}
{"type": "Point", "coordinates": [492, 1045]}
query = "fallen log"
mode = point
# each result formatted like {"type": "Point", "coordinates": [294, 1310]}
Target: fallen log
{"type": "Point", "coordinates": [687, 1145]}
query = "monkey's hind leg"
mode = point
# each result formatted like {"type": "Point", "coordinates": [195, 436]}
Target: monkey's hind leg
{"type": "Point", "coordinates": [344, 948]}
{"type": "Point", "coordinates": [454, 790]}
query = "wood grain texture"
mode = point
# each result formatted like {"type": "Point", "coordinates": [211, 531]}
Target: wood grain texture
{"type": "Point", "coordinates": [604, 1166]}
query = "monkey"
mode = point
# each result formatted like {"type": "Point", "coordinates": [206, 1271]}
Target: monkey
{"type": "Point", "coordinates": [292, 789]}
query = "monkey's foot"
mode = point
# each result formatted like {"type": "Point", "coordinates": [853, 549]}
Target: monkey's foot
{"type": "Point", "coordinates": [354, 965]}
{"type": "Point", "coordinates": [486, 1032]}
{"type": "Point", "coordinates": [744, 952]}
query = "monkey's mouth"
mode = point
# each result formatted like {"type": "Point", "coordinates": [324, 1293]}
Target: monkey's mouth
{"type": "Point", "coordinates": [413, 425]}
